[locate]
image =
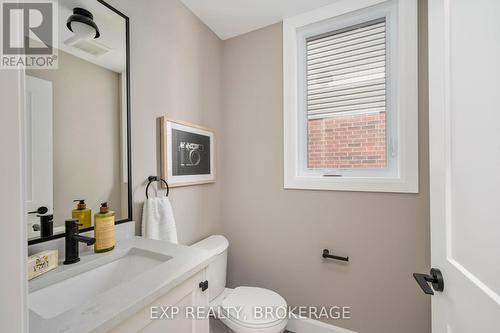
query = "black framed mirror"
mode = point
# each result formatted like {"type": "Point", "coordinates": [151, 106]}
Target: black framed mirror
{"type": "Point", "coordinates": [77, 122]}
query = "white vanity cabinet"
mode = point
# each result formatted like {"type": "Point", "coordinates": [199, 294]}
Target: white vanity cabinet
{"type": "Point", "coordinates": [187, 294]}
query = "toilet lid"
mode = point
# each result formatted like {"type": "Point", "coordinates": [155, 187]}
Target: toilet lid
{"type": "Point", "coordinates": [251, 306]}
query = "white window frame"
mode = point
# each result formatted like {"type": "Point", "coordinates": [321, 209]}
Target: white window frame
{"type": "Point", "coordinates": [401, 175]}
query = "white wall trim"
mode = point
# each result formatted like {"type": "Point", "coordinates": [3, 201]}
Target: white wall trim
{"type": "Point", "coordinates": [405, 178]}
{"type": "Point", "coordinates": [24, 217]}
{"type": "Point", "coordinates": [306, 325]}
{"type": "Point", "coordinates": [13, 241]}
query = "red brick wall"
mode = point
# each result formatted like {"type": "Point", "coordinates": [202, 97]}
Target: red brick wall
{"type": "Point", "coordinates": [356, 141]}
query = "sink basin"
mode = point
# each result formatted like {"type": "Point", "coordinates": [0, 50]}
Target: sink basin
{"type": "Point", "coordinates": [53, 300]}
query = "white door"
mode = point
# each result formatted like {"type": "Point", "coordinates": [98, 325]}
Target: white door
{"type": "Point", "coordinates": [464, 87]}
{"type": "Point", "coordinates": [38, 149]}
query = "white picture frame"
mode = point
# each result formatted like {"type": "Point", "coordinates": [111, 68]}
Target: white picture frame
{"type": "Point", "coordinates": [187, 153]}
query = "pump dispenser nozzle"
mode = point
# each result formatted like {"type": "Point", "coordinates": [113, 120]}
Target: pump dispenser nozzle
{"type": "Point", "coordinates": [81, 203]}
{"type": "Point", "coordinates": [104, 207]}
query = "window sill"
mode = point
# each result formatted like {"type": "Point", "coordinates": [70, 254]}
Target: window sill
{"type": "Point", "coordinates": [356, 184]}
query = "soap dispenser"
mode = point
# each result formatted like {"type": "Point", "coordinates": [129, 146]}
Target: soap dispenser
{"type": "Point", "coordinates": [104, 229]}
{"type": "Point", "coordinates": [83, 214]}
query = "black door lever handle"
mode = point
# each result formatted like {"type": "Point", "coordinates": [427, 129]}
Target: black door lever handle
{"type": "Point", "coordinates": [41, 210]}
{"type": "Point", "coordinates": [435, 278]}
{"type": "Point", "coordinates": [203, 285]}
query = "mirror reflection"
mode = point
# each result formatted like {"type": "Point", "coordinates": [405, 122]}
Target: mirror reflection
{"type": "Point", "coordinates": [76, 122]}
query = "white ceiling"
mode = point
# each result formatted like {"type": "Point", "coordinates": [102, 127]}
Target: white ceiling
{"type": "Point", "coordinates": [230, 18]}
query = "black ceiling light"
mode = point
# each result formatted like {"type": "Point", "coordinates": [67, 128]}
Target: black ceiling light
{"type": "Point", "coordinates": [82, 24]}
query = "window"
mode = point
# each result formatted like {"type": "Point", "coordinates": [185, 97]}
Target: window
{"type": "Point", "coordinates": [350, 97]}
{"type": "Point", "coordinates": [346, 98]}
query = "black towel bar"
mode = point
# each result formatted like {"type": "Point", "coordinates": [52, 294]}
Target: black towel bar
{"type": "Point", "coordinates": [327, 255]}
{"type": "Point", "coordinates": [156, 179]}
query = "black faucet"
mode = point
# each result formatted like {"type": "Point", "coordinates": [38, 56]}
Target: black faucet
{"type": "Point", "coordinates": [72, 241]}
{"type": "Point", "coordinates": [46, 225]}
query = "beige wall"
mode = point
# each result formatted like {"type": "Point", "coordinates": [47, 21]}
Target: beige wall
{"type": "Point", "coordinates": [87, 131]}
{"type": "Point", "coordinates": [175, 72]}
{"type": "Point", "coordinates": [277, 235]}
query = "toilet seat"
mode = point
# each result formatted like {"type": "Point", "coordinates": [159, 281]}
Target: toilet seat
{"type": "Point", "coordinates": [223, 301]}
{"type": "Point", "coordinates": [237, 328]}
{"type": "Point", "coordinates": [240, 314]}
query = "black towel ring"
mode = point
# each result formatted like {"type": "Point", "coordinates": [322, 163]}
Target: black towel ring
{"type": "Point", "coordinates": [156, 179]}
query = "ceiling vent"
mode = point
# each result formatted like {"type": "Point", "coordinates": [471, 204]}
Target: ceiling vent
{"type": "Point", "coordinates": [88, 46]}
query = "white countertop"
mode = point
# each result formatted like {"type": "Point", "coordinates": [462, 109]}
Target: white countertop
{"type": "Point", "coordinates": [117, 304]}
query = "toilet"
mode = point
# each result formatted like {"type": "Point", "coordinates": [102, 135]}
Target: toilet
{"type": "Point", "coordinates": [236, 307]}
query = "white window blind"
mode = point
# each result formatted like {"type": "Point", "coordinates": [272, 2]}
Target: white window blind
{"type": "Point", "coordinates": [350, 97]}
{"type": "Point", "coordinates": [346, 71]}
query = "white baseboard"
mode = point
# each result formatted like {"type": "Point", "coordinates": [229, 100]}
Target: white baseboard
{"type": "Point", "coordinates": [306, 325]}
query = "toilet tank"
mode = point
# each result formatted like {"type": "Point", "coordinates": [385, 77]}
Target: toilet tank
{"type": "Point", "coordinates": [216, 271]}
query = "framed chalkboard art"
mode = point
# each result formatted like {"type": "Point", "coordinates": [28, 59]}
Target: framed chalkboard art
{"type": "Point", "coordinates": [187, 153]}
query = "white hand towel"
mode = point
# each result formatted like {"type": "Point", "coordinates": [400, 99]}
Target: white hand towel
{"type": "Point", "coordinates": [158, 220]}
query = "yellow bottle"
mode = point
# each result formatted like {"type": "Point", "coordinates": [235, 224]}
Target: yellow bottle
{"type": "Point", "coordinates": [83, 214]}
{"type": "Point", "coordinates": [104, 229]}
